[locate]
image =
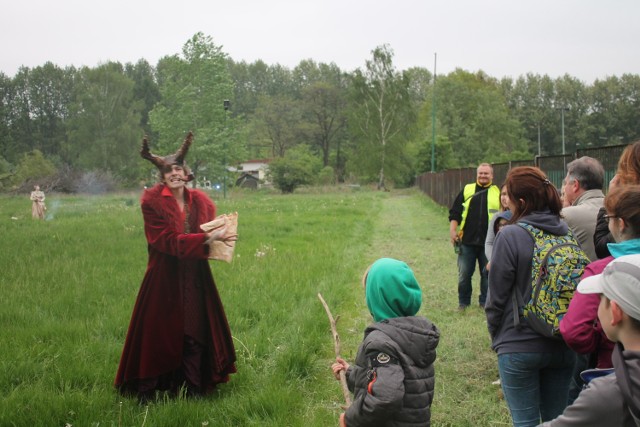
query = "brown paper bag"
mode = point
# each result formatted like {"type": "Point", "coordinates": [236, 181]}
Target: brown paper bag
{"type": "Point", "coordinates": [219, 250]}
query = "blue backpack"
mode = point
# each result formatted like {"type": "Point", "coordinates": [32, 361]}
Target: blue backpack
{"type": "Point", "coordinates": [556, 268]}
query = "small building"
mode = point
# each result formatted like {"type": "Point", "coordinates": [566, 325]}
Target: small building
{"type": "Point", "coordinates": [252, 173]}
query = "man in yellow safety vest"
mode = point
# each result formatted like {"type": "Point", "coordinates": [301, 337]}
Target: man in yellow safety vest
{"type": "Point", "coordinates": [468, 222]}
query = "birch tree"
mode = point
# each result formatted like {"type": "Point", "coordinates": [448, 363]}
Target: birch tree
{"type": "Point", "coordinates": [380, 116]}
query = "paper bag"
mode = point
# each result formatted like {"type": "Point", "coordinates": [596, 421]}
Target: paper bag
{"type": "Point", "coordinates": [222, 250]}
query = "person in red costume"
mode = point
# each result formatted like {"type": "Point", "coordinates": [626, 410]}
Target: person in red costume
{"type": "Point", "coordinates": [179, 339]}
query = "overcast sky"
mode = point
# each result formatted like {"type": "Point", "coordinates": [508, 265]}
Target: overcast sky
{"type": "Point", "coordinates": [587, 39]}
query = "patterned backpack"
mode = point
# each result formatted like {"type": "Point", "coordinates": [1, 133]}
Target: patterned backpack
{"type": "Point", "coordinates": [556, 268]}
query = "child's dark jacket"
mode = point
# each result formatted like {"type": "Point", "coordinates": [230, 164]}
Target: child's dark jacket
{"type": "Point", "coordinates": [393, 375]}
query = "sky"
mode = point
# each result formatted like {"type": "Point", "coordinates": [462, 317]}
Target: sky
{"type": "Point", "coordinates": [587, 39]}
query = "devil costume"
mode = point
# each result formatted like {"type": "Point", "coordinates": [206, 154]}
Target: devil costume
{"type": "Point", "coordinates": [178, 335]}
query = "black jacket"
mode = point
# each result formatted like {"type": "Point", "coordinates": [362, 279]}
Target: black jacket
{"type": "Point", "coordinates": [393, 376]}
{"type": "Point", "coordinates": [602, 235]}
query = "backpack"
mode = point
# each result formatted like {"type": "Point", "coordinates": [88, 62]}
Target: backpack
{"type": "Point", "coordinates": [556, 268]}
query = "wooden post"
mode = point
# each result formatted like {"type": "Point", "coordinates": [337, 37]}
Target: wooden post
{"type": "Point", "coordinates": [336, 341]}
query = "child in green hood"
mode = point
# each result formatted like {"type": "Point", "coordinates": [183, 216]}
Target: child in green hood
{"type": "Point", "coordinates": [393, 377]}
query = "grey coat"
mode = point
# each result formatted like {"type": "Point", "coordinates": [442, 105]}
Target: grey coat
{"type": "Point", "coordinates": [393, 375]}
{"type": "Point", "coordinates": [610, 400]}
{"type": "Point", "coordinates": [582, 217]}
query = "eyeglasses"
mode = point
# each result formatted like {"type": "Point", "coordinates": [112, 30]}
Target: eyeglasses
{"type": "Point", "coordinates": [608, 217]}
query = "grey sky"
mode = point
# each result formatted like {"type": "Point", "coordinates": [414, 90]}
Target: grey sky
{"type": "Point", "coordinates": [587, 39]}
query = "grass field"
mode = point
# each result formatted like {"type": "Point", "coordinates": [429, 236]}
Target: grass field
{"type": "Point", "coordinates": [68, 285]}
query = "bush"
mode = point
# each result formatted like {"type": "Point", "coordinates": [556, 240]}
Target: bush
{"type": "Point", "coordinates": [327, 176]}
{"type": "Point", "coordinates": [298, 167]}
{"type": "Point", "coordinates": [33, 167]}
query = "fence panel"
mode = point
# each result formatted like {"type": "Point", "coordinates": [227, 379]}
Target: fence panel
{"type": "Point", "coordinates": [444, 186]}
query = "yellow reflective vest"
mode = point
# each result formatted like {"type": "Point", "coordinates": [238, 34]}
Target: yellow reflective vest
{"type": "Point", "coordinates": [493, 201]}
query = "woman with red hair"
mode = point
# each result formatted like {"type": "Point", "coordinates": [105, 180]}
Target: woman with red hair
{"type": "Point", "coordinates": [535, 371]}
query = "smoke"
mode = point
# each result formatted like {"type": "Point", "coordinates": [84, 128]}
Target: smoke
{"type": "Point", "coordinates": [52, 209]}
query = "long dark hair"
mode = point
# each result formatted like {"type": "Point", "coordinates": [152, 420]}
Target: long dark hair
{"type": "Point", "coordinates": [530, 190]}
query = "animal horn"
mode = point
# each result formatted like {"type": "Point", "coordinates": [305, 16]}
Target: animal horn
{"type": "Point", "coordinates": [146, 154]}
{"type": "Point", "coordinates": [182, 151]}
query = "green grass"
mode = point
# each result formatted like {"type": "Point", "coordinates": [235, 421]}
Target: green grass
{"type": "Point", "coordinates": [69, 284]}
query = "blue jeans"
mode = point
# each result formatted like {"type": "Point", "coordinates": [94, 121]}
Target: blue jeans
{"type": "Point", "coordinates": [535, 385]}
{"type": "Point", "coordinates": [466, 267]}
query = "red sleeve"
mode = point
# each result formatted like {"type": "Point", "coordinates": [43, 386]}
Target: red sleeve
{"type": "Point", "coordinates": [163, 236]}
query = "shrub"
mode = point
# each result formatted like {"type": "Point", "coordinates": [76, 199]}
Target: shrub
{"type": "Point", "coordinates": [32, 167]}
{"type": "Point", "coordinates": [298, 167]}
{"type": "Point", "coordinates": [327, 176]}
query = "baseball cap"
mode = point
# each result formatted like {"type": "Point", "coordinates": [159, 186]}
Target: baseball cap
{"type": "Point", "coordinates": [620, 282]}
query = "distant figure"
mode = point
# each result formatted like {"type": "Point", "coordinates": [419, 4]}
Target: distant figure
{"type": "Point", "coordinates": [468, 223]}
{"type": "Point", "coordinates": [38, 208]}
{"type": "Point", "coordinates": [392, 378]}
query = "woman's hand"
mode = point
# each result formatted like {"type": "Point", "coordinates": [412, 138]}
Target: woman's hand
{"type": "Point", "coordinates": [220, 234]}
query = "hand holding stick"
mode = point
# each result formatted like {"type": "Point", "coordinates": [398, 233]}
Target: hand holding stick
{"type": "Point", "coordinates": [336, 340]}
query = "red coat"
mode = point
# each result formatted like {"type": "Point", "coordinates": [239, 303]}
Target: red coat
{"type": "Point", "coordinates": [154, 342]}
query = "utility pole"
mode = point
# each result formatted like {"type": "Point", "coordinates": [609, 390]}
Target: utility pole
{"type": "Point", "coordinates": [433, 116]}
{"type": "Point", "coordinates": [562, 110]}
{"type": "Point", "coordinates": [226, 104]}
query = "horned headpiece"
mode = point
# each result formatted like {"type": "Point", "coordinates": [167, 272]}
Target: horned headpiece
{"type": "Point", "coordinates": [164, 163]}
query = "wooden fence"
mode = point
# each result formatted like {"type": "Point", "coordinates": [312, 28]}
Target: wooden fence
{"type": "Point", "coordinates": [443, 187]}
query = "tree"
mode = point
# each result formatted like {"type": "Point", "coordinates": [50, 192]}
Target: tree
{"type": "Point", "coordinates": [194, 88]}
{"type": "Point", "coordinates": [145, 89]}
{"type": "Point", "coordinates": [615, 110]}
{"type": "Point", "coordinates": [104, 130]}
{"type": "Point", "coordinates": [279, 122]}
{"type": "Point", "coordinates": [324, 105]}
{"type": "Point", "coordinates": [531, 101]}
{"type": "Point", "coordinates": [380, 116]}
{"type": "Point", "coordinates": [472, 114]}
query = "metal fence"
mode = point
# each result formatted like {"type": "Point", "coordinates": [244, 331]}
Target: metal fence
{"type": "Point", "coordinates": [443, 187]}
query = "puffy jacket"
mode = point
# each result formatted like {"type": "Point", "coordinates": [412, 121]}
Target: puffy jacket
{"type": "Point", "coordinates": [393, 375]}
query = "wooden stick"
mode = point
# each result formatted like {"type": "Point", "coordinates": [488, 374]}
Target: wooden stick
{"type": "Point", "coordinates": [336, 341]}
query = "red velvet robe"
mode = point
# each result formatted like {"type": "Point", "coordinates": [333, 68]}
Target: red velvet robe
{"type": "Point", "coordinates": [154, 343]}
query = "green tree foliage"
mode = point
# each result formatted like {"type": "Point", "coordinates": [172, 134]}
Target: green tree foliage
{"type": "Point", "coordinates": [472, 113]}
{"type": "Point", "coordinates": [615, 110]}
{"type": "Point", "coordinates": [278, 121]}
{"type": "Point", "coordinates": [380, 117]}
{"type": "Point", "coordinates": [531, 101]}
{"type": "Point", "coordinates": [194, 88]}
{"type": "Point", "coordinates": [32, 167]}
{"type": "Point", "coordinates": [298, 167]}
{"type": "Point", "coordinates": [105, 126]}
{"type": "Point", "coordinates": [145, 89]}
{"type": "Point", "coordinates": [324, 106]}
{"type": "Point", "coordinates": [369, 125]}
{"type": "Point", "coordinates": [6, 99]}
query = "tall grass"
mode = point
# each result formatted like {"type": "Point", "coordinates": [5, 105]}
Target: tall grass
{"type": "Point", "coordinates": [68, 285]}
